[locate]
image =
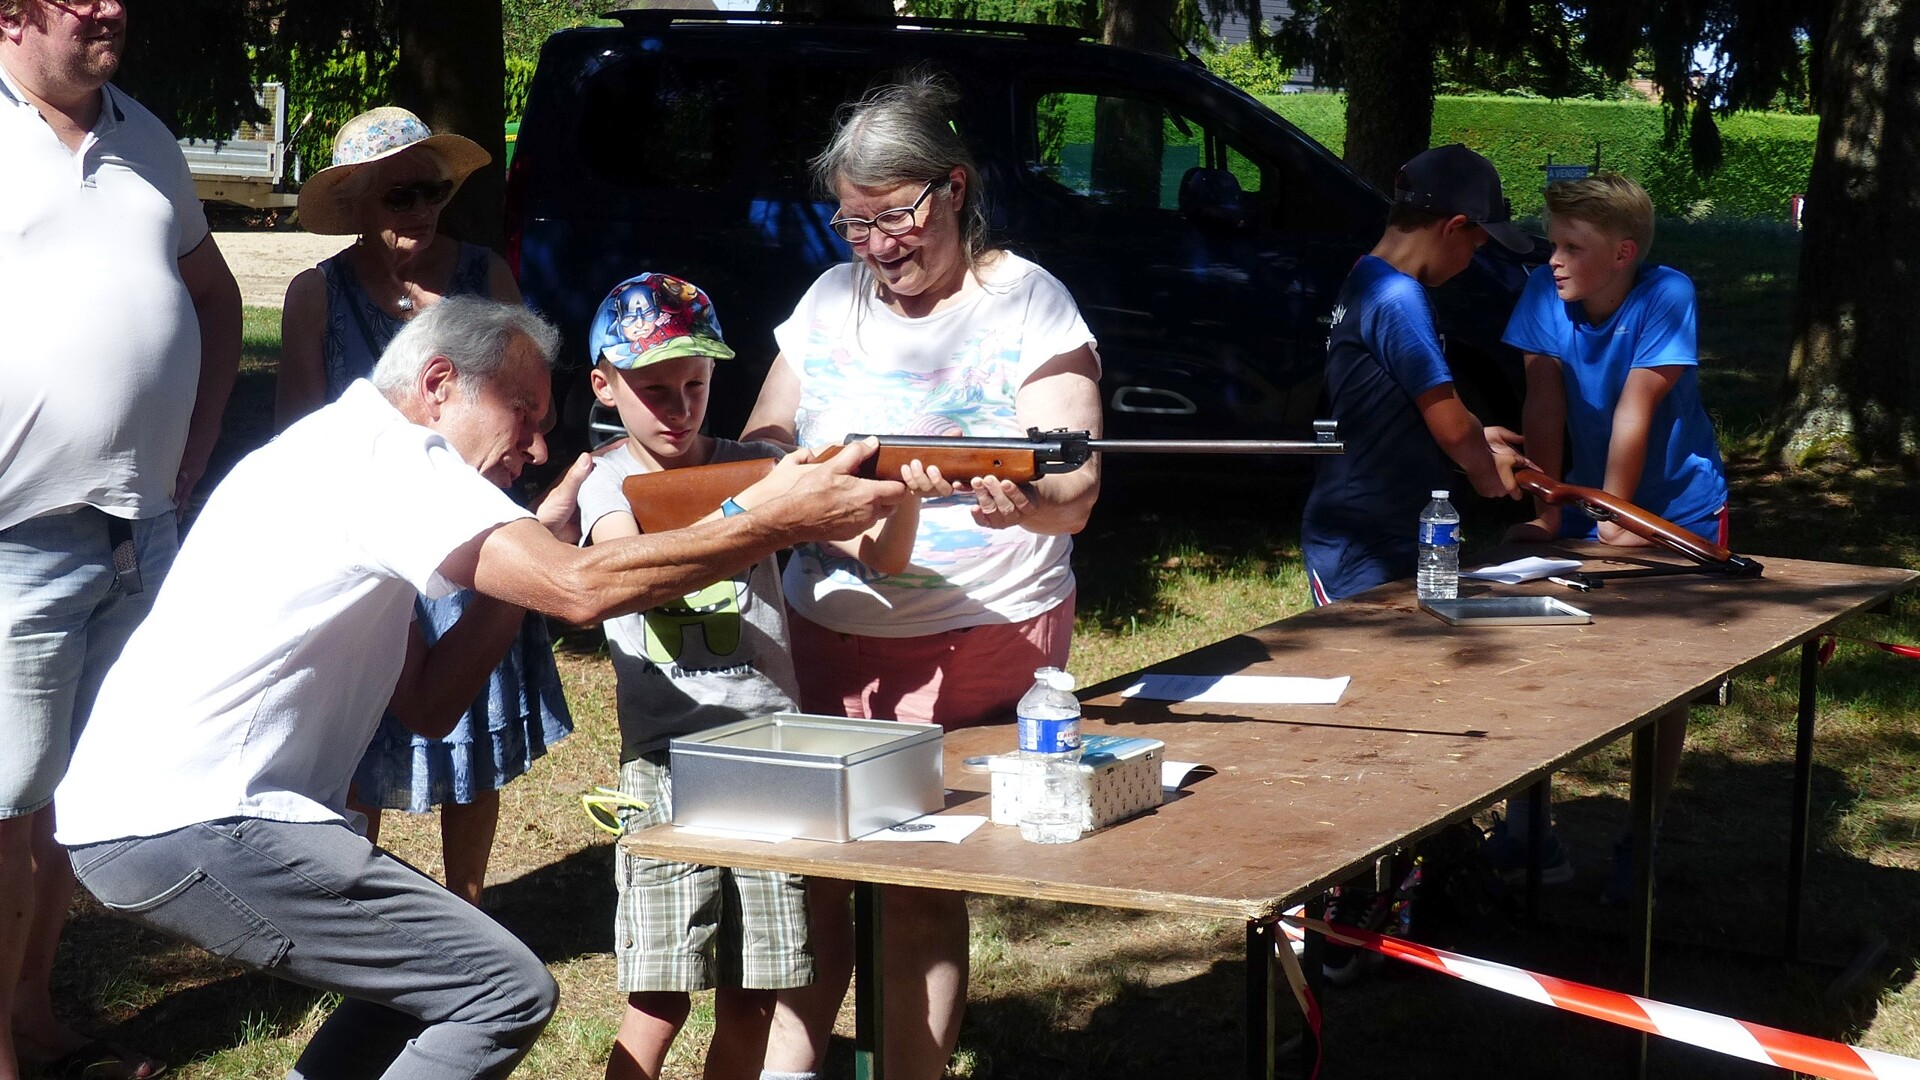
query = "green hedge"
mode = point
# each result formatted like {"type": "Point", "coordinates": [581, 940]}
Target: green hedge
{"type": "Point", "coordinates": [1767, 155]}
{"type": "Point", "coordinates": [337, 88]}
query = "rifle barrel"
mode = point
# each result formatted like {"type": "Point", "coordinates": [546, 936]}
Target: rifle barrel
{"type": "Point", "coordinates": [1213, 446]}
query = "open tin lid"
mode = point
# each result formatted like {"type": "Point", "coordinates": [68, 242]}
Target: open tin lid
{"type": "Point", "coordinates": [803, 738]}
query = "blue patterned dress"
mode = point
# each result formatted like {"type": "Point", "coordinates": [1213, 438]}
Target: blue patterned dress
{"type": "Point", "coordinates": [522, 711]}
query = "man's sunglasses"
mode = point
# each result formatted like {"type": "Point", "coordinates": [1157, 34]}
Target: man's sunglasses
{"type": "Point", "coordinates": [401, 198]}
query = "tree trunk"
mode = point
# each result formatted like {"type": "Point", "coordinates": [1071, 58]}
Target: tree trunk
{"type": "Point", "coordinates": [1139, 24]}
{"type": "Point", "coordinates": [452, 72]}
{"type": "Point", "coordinates": [1386, 49]}
{"type": "Point", "coordinates": [1853, 385]}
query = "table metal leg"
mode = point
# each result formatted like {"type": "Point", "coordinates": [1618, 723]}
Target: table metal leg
{"type": "Point", "coordinates": [1802, 794]}
{"type": "Point", "coordinates": [869, 1002]}
{"type": "Point", "coordinates": [1262, 988]}
{"type": "Point", "coordinates": [1640, 903]}
{"type": "Point", "coordinates": [1537, 824]}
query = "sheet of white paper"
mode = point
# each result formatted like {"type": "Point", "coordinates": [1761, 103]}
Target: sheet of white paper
{"type": "Point", "coordinates": [732, 834]}
{"type": "Point", "coordinates": [1240, 689]}
{"type": "Point", "coordinates": [941, 828]}
{"type": "Point", "coordinates": [1531, 568]}
{"type": "Point", "coordinates": [1174, 773]}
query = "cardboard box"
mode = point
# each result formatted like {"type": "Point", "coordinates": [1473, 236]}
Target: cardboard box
{"type": "Point", "coordinates": [1122, 775]}
{"type": "Point", "coordinates": [813, 777]}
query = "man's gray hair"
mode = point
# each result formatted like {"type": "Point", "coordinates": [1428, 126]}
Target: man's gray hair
{"type": "Point", "coordinates": [471, 331]}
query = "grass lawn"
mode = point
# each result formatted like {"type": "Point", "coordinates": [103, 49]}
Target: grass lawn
{"type": "Point", "coordinates": [1066, 991]}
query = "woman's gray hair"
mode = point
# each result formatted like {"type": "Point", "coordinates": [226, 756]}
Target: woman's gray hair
{"type": "Point", "coordinates": [473, 332]}
{"type": "Point", "coordinates": [903, 133]}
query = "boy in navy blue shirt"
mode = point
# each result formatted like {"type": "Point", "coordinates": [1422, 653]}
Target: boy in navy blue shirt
{"type": "Point", "coordinates": [1404, 425]}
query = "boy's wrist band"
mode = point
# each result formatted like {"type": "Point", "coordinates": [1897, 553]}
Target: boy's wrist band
{"type": "Point", "coordinates": [729, 508]}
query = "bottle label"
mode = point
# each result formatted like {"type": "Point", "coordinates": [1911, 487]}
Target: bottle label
{"type": "Point", "coordinates": [1049, 736]}
{"type": "Point", "coordinates": [1440, 533]}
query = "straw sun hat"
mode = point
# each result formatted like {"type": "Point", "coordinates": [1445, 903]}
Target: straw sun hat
{"type": "Point", "coordinates": [328, 206]}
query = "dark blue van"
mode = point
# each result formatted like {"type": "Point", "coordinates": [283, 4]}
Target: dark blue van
{"type": "Point", "coordinates": [1204, 237]}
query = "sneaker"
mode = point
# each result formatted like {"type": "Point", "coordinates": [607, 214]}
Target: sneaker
{"type": "Point", "coordinates": [1508, 855]}
{"type": "Point", "coordinates": [1363, 909]}
{"type": "Point", "coordinates": [1296, 938]}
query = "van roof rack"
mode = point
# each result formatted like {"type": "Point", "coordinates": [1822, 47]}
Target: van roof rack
{"type": "Point", "coordinates": [661, 18]}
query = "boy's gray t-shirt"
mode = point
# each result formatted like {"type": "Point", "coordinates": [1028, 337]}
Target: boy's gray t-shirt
{"type": "Point", "coordinates": [719, 655]}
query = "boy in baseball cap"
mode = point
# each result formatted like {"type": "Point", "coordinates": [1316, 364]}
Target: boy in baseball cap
{"type": "Point", "coordinates": [1404, 425]}
{"type": "Point", "coordinates": [718, 655]}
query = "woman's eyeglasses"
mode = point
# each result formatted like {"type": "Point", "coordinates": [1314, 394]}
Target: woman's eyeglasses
{"type": "Point", "coordinates": [603, 808]}
{"type": "Point", "coordinates": [895, 222]}
{"type": "Point", "coordinates": [401, 198]}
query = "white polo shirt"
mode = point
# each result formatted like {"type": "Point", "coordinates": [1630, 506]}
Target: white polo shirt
{"type": "Point", "coordinates": [100, 358]}
{"type": "Point", "coordinates": [254, 686]}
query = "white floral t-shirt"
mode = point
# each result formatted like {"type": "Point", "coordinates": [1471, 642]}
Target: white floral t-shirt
{"type": "Point", "coordinates": [865, 369]}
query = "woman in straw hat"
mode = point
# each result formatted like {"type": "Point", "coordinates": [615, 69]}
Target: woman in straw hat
{"type": "Point", "coordinates": [389, 180]}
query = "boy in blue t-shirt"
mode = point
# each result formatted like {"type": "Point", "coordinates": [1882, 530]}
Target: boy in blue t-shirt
{"type": "Point", "coordinates": [1404, 425]}
{"type": "Point", "coordinates": [1612, 376]}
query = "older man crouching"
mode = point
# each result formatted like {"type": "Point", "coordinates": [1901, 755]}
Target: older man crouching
{"type": "Point", "coordinates": [240, 708]}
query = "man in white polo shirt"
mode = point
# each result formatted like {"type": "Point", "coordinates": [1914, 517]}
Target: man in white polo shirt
{"type": "Point", "coordinates": [121, 343]}
{"type": "Point", "coordinates": [239, 710]}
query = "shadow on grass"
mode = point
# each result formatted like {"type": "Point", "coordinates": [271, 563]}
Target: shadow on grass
{"type": "Point", "coordinates": [1129, 1005]}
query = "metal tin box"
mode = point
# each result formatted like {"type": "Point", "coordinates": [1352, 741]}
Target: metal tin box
{"type": "Point", "coordinates": [813, 777]}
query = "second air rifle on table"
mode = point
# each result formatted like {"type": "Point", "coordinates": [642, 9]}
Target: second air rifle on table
{"type": "Point", "coordinates": [1601, 506]}
{"type": "Point", "coordinates": [676, 498]}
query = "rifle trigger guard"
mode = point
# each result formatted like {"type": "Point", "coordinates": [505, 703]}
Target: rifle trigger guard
{"type": "Point", "coordinates": [1597, 512]}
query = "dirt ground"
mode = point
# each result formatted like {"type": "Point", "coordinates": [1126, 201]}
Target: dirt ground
{"type": "Point", "coordinates": [264, 260]}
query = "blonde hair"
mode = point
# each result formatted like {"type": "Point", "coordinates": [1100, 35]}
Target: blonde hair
{"type": "Point", "coordinates": [1610, 202]}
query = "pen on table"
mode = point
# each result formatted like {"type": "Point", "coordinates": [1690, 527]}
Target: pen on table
{"type": "Point", "coordinates": [1572, 583]}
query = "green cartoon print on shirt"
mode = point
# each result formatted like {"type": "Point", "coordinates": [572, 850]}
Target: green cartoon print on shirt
{"type": "Point", "coordinates": [714, 609]}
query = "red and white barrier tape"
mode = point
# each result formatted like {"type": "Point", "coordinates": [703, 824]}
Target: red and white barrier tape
{"type": "Point", "coordinates": [1831, 642]}
{"type": "Point", "coordinates": [1739, 1038]}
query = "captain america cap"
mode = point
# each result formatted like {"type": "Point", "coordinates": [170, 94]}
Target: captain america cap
{"type": "Point", "coordinates": [653, 317]}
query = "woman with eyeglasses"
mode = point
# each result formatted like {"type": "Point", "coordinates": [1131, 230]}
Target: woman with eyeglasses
{"type": "Point", "coordinates": [926, 330]}
{"type": "Point", "coordinates": [389, 180]}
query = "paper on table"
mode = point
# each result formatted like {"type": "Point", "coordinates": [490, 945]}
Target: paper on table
{"type": "Point", "coordinates": [1174, 773]}
{"type": "Point", "coordinates": [1530, 568]}
{"type": "Point", "coordinates": [1240, 689]}
{"type": "Point", "coordinates": [943, 828]}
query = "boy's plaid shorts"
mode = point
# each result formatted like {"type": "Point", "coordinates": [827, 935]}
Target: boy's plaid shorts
{"type": "Point", "coordinates": [682, 927]}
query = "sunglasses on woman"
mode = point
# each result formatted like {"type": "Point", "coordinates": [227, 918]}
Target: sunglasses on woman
{"type": "Point", "coordinates": [898, 221]}
{"type": "Point", "coordinates": [401, 198]}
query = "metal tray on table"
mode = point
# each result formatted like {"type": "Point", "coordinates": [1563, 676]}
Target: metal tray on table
{"type": "Point", "coordinates": [1505, 611]}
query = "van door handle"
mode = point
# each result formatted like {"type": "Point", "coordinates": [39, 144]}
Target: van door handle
{"type": "Point", "coordinates": [1153, 400]}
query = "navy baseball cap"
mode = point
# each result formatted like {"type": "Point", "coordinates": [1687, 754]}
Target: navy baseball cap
{"type": "Point", "coordinates": [1452, 179]}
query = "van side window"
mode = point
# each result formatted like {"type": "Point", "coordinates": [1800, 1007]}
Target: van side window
{"type": "Point", "coordinates": [1127, 151]}
{"type": "Point", "coordinates": [633, 111]}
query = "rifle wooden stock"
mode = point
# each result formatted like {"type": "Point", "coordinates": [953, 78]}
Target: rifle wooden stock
{"type": "Point", "coordinates": [1605, 507]}
{"type": "Point", "coordinates": [675, 498]}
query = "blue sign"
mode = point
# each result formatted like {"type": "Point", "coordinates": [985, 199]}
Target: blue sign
{"type": "Point", "coordinates": [1556, 173]}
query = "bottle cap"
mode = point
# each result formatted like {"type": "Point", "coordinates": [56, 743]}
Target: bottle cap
{"type": "Point", "coordinates": [1439, 495]}
{"type": "Point", "coordinates": [1060, 680]}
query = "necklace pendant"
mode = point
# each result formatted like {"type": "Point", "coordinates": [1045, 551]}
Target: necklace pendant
{"type": "Point", "coordinates": [405, 303]}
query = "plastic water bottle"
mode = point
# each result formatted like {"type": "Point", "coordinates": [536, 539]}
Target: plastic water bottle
{"type": "Point", "coordinates": [1438, 573]}
{"type": "Point", "coordinates": [1054, 797]}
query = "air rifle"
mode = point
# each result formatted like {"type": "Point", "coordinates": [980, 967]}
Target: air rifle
{"type": "Point", "coordinates": [1601, 506]}
{"type": "Point", "coordinates": [676, 498]}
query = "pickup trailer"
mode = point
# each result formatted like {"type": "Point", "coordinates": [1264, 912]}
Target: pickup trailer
{"type": "Point", "coordinates": [247, 168]}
